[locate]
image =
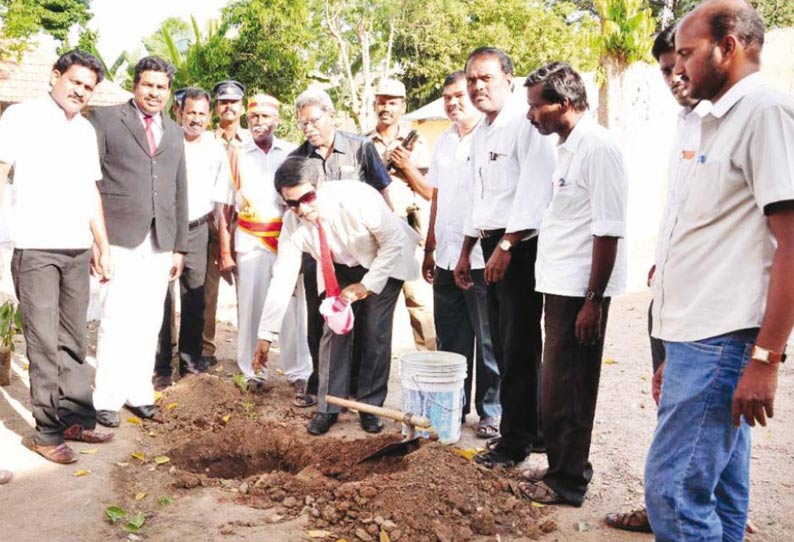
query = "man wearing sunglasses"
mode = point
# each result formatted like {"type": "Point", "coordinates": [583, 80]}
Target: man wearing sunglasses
{"type": "Point", "coordinates": [371, 252]}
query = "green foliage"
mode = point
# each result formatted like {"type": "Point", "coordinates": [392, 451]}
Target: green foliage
{"type": "Point", "coordinates": [22, 19]}
{"type": "Point", "coordinates": [115, 514]}
{"type": "Point", "coordinates": [775, 13]}
{"type": "Point", "coordinates": [174, 30]}
{"type": "Point", "coordinates": [436, 36]}
{"type": "Point", "coordinates": [10, 324]}
{"type": "Point", "coordinates": [627, 28]}
{"type": "Point", "coordinates": [240, 380]}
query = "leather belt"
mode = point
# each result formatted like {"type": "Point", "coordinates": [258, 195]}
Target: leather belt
{"type": "Point", "coordinates": [199, 221]}
{"type": "Point", "coordinates": [485, 234]}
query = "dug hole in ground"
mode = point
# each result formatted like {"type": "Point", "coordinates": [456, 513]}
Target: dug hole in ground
{"type": "Point", "coordinates": [229, 465]}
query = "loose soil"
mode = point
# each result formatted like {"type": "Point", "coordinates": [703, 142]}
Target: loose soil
{"type": "Point", "coordinates": [214, 434]}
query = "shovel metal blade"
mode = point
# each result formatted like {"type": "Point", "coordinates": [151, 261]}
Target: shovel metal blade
{"type": "Point", "coordinates": [395, 449]}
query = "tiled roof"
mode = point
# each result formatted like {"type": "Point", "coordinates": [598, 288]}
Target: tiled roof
{"type": "Point", "coordinates": [29, 78]}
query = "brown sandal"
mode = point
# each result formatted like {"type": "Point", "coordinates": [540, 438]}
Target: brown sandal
{"type": "Point", "coordinates": [540, 492]}
{"type": "Point", "coordinates": [635, 521]}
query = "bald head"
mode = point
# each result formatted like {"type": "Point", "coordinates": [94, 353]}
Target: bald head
{"type": "Point", "coordinates": [717, 44]}
{"type": "Point", "coordinates": [735, 18]}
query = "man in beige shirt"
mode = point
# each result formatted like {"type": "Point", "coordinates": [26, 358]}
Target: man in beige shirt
{"type": "Point", "coordinates": [723, 295]}
{"type": "Point", "coordinates": [409, 193]}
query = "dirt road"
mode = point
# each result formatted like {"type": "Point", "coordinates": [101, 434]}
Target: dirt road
{"type": "Point", "coordinates": [48, 502]}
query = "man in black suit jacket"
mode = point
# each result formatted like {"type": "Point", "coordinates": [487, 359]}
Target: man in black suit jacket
{"type": "Point", "coordinates": [144, 193]}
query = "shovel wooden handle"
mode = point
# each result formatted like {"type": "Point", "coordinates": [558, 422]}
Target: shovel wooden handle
{"type": "Point", "coordinates": [405, 417]}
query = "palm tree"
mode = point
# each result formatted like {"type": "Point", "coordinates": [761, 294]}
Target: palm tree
{"type": "Point", "coordinates": [627, 28]}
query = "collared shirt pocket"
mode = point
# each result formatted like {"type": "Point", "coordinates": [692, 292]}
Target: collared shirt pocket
{"type": "Point", "coordinates": [702, 196]}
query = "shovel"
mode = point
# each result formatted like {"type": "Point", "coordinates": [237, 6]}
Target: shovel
{"type": "Point", "coordinates": [395, 449]}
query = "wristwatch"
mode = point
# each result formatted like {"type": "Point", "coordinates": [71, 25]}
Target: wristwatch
{"type": "Point", "coordinates": [767, 356]}
{"type": "Point", "coordinates": [593, 296]}
{"type": "Point", "coordinates": [505, 245]}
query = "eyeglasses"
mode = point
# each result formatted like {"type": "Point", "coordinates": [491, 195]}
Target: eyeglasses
{"type": "Point", "coordinates": [302, 124]}
{"type": "Point", "coordinates": [305, 199]}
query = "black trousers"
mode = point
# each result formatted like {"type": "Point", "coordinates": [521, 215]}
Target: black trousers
{"type": "Point", "coordinates": [53, 289]}
{"type": "Point", "coordinates": [314, 328]}
{"type": "Point", "coordinates": [571, 372]}
{"type": "Point", "coordinates": [374, 317]}
{"type": "Point", "coordinates": [657, 345]}
{"type": "Point", "coordinates": [191, 324]}
{"type": "Point", "coordinates": [515, 310]}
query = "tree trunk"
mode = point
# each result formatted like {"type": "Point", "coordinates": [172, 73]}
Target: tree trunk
{"type": "Point", "coordinates": [610, 94]}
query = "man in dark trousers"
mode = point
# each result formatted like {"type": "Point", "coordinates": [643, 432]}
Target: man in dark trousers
{"type": "Point", "coordinates": [56, 215]}
{"type": "Point", "coordinates": [144, 193]}
{"type": "Point", "coordinates": [511, 164]}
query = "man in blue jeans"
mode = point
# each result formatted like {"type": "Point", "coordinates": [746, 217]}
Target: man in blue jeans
{"type": "Point", "coordinates": [723, 295]}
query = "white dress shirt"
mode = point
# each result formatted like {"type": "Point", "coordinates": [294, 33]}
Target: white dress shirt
{"type": "Point", "coordinates": [360, 229]}
{"type": "Point", "coordinates": [56, 167]}
{"type": "Point", "coordinates": [257, 169]}
{"type": "Point", "coordinates": [590, 190]}
{"type": "Point", "coordinates": [713, 277]}
{"type": "Point", "coordinates": [449, 174]}
{"type": "Point", "coordinates": [207, 167]}
{"type": "Point", "coordinates": [157, 123]}
{"type": "Point", "coordinates": [510, 167]}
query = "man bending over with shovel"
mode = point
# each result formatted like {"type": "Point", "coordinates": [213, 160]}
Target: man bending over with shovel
{"type": "Point", "coordinates": [362, 248]}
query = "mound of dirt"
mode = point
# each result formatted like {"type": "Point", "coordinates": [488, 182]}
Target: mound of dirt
{"type": "Point", "coordinates": [215, 434]}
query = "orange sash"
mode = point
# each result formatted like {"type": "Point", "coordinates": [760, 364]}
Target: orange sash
{"type": "Point", "coordinates": [247, 220]}
{"type": "Point", "coordinates": [267, 231]}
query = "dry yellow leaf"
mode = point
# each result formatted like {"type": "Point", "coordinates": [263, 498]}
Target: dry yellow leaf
{"type": "Point", "coordinates": [134, 420]}
{"type": "Point", "coordinates": [122, 465]}
{"type": "Point", "coordinates": [227, 418]}
{"type": "Point", "coordinates": [468, 454]}
{"type": "Point", "coordinates": [140, 496]}
{"type": "Point", "coordinates": [26, 366]}
{"type": "Point", "coordinates": [171, 406]}
{"type": "Point", "coordinates": [139, 456]}
{"type": "Point", "coordinates": [538, 504]}
{"type": "Point", "coordinates": [609, 361]}
{"type": "Point", "coordinates": [90, 451]}
{"type": "Point", "coordinates": [152, 434]}
{"type": "Point", "coordinates": [219, 369]}
{"type": "Point", "coordinates": [318, 534]}
{"type": "Point", "coordinates": [157, 396]}
{"type": "Point", "coordinates": [280, 372]}
{"type": "Point", "coordinates": [161, 459]}
{"type": "Point", "coordinates": [384, 536]}
{"type": "Point", "coordinates": [82, 472]}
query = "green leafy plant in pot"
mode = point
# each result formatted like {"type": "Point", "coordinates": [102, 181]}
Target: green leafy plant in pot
{"type": "Point", "coordinates": [10, 326]}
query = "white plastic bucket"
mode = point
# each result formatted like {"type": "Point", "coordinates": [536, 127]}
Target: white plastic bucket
{"type": "Point", "coordinates": [432, 386]}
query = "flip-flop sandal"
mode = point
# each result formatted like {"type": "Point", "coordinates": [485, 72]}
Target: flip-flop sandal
{"type": "Point", "coordinates": [540, 492]}
{"type": "Point", "coordinates": [491, 459]}
{"type": "Point", "coordinates": [635, 521]}
{"type": "Point", "coordinates": [304, 400]}
{"type": "Point", "coordinates": [488, 428]}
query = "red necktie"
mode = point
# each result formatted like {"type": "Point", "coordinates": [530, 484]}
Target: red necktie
{"type": "Point", "coordinates": [147, 122]}
{"type": "Point", "coordinates": [327, 264]}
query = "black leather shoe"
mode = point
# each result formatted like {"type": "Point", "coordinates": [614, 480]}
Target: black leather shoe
{"type": "Point", "coordinates": [146, 412]}
{"type": "Point", "coordinates": [108, 418]}
{"type": "Point", "coordinates": [321, 422]}
{"type": "Point", "coordinates": [370, 423]}
{"type": "Point", "coordinates": [161, 382]}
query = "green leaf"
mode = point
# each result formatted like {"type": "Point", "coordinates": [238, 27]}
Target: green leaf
{"type": "Point", "coordinates": [115, 513]}
{"type": "Point", "coordinates": [134, 523]}
{"type": "Point", "coordinates": [164, 501]}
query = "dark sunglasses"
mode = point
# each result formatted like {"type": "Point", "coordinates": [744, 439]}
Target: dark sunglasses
{"type": "Point", "coordinates": [307, 198]}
